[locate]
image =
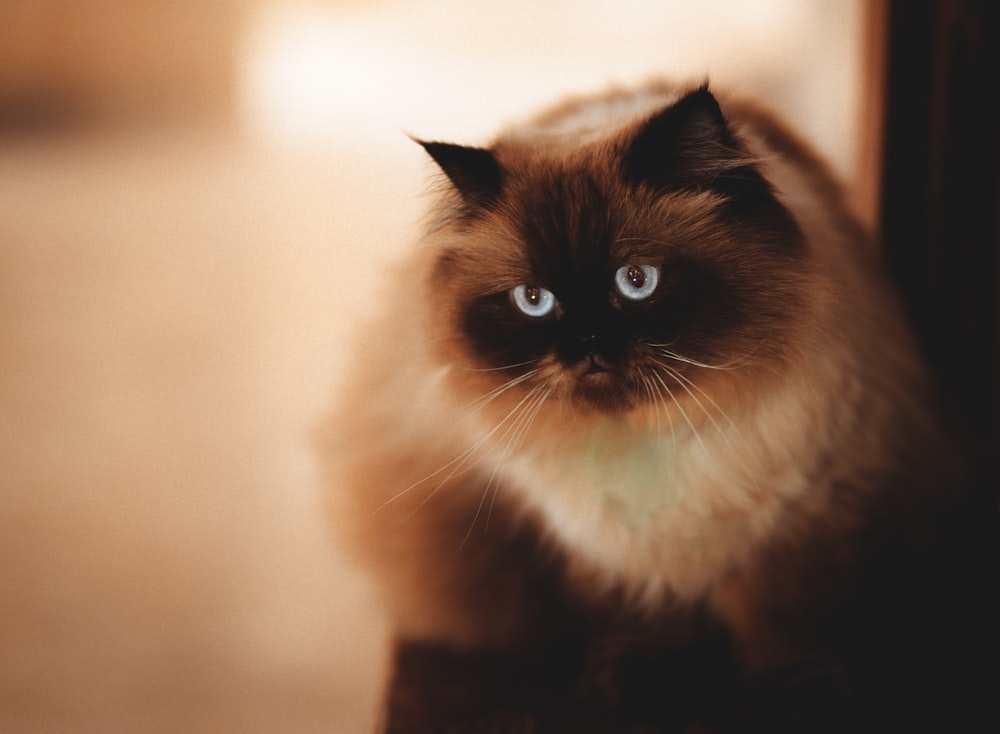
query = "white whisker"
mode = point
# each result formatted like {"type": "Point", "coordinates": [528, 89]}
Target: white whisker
{"type": "Point", "coordinates": [513, 437]}
{"type": "Point", "coordinates": [690, 386]}
{"type": "Point", "coordinates": [502, 368]}
{"type": "Point", "coordinates": [656, 397]}
{"type": "Point", "coordinates": [665, 350]}
{"type": "Point", "coordinates": [493, 394]}
{"type": "Point", "coordinates": [652, 398]}
{"type": "Point", "coordinates": [685, 383]}
{"type": "Point", "coordinates": [460, 463]}
{"type": "Point", "coordinates": [683, 412]}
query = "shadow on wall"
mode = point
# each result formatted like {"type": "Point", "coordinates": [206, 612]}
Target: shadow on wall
{"type": "Point", "coordinates": [113, 61]}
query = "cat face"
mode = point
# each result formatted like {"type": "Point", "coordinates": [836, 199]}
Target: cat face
{"type": "Point", "coordinates": [621, 272]}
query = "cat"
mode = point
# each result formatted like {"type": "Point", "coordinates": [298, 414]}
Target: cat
{"type": "Point", "coordinates": [641, 440]}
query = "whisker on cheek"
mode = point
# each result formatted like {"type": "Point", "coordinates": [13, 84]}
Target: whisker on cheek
{"type": "Point", "coordinates": [741, 361]}
{"type": "Point", "coordinates": [501, 368]}
{"type": "Point", "coordinates": [461, 463]}
{"type": "Point", "coordinates": [680, 408]}
{"type": "Point", "coordinates": [512, 438]}
{"type": "Point", "coordinates": [484, 400]}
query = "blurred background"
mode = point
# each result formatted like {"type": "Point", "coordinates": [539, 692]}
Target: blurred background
{"type": "Point", "coordinates": [192, 197]}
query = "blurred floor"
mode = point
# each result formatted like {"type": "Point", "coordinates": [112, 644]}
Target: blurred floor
{"type": "Point", "coordinates": [174, 301]}
{"type": "Point", "coordinates": [172, 307]}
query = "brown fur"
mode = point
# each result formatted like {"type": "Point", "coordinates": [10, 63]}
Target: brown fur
{"type": "Point", "coordinates": [731, 510]}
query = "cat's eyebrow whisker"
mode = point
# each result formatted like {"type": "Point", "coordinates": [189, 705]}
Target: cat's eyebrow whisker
{"type": "Point", "coordinates": [622, 240]}
{"type": "Point", "coordinates": [665, 244]}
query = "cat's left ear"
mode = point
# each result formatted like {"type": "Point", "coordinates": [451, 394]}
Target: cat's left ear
{"type": "Point", "coordinates": [688, 144]}
{"type": "Point", "coordinates": [474, 172]}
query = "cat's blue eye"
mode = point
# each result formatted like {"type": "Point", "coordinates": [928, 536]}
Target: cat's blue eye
{"type": "Point", "coordinates": [636, 282]}
{"type": "Point", "coordinates": [533, 301]}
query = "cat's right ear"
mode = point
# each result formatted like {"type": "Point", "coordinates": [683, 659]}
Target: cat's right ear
{"type": "Point", "coordinates": [474, 172]}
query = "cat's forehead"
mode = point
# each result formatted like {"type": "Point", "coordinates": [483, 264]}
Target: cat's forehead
{"type": "Point", "coordinates": [567, 221]}
{"type": "Point", "coordinates": [581, 199]}
{"type": "Point", "coordinates": [584, 121]}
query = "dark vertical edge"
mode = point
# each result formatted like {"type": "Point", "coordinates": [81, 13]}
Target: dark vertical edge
{"type": "Point", "coordinates": [939, 204]}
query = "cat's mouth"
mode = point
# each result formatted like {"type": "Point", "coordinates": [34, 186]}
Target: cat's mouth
{"type": "Point", "coordinates": [594, 364]}
{"type": "Point", "coordinates": [599, 384]}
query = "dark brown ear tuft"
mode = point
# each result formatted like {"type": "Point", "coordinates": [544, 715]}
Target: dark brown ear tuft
{"type": "Point", "coordinates": [689, 145]}
{"type": "Point", "coordinates": [686, 144]}
{"type": "Point", "coordinates": [474, 172]}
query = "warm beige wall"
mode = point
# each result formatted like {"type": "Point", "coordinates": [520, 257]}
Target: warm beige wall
{"type": "Point", "coordinates": [118, 59]}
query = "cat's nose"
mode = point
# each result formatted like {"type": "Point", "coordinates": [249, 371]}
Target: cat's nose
{"type": "Point", "coordinates": [587, 345]}
{"type": "Point", "coordinates": [577, 350]}
{"type": "Point", "coordinates": [590, 354]}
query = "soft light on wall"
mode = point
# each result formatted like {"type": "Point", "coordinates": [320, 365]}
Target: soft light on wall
{"type": "Point", "coordinates": [314, 72]}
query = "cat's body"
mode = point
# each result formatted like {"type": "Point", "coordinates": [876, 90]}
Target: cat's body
{"type": "Point", "coordinates": [641, 400]}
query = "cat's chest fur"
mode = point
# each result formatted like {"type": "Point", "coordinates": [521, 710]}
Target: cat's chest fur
{"type": "Point", "coordinates": [655, 512]}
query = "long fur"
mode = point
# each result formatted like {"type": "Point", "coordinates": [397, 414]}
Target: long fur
{"type": "Point", "coordinates": [751, 470]}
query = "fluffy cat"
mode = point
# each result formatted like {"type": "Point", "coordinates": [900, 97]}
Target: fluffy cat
{"type": "Point", "coordinates": [641, 441]}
